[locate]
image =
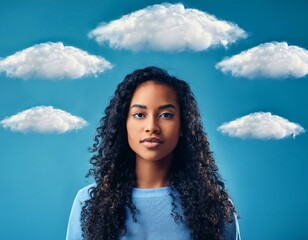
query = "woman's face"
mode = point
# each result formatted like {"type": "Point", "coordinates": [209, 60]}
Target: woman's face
{"type": "Point", "coordinates": [153, 122]}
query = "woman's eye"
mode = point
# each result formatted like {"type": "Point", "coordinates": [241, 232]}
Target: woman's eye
{"type": "Point", "coordinates": [138, 115]}
{"type": "Point", "coordinates": [166, 115]}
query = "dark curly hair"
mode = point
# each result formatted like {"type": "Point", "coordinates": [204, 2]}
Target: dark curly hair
{"type": "Point", "coordinates": [194, 175]}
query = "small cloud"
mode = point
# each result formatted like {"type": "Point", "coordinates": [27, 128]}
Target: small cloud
{"type": "Point", "coordinates": [52, 61]}
{"type": "Point", "coordinates": [261, 125]}
{"type": "Point", "coordinates": [268, 60]}
{"type": "Point", "coordinates": [43, 119]}
{"type": "Point", "coordinates": [167, 27]}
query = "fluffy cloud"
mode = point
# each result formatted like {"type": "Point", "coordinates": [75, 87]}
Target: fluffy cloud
{"type": "Point", "coordinates": [269, 60]}
{"type": "Point", "coordinates": [261, 125]}
{"type": "Point", "coordinates": [43, 119]}
{"type": "Point", "coordinates": [167, 27]}
{"type": "Point", "coordinates": [52, 61]}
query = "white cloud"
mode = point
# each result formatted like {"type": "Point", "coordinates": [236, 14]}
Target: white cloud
{"type": "Point", "coordinates": [43, 119]}
{"type": "Point", "coordinates": [261, 125]}
{"type": "Point", "coordinates": [52, 61]}
{"type": "Point", "coordinates": [167, 27]}
{"type": "Point", "coordinates": [268, 60]}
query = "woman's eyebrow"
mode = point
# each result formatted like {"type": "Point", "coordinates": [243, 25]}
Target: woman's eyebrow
{"type": "Point", "coordinates": [167, 106]}
{"type": "Point", "coordinates": [160, 107]}
{"type": "Point", "coordinates": [138, 106]}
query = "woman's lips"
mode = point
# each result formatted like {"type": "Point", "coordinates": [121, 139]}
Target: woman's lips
{"type": "Point", "coordinates": [151, 142]}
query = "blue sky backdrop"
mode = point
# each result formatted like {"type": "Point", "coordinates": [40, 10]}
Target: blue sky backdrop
{"type": "Point", "coordinates": [246, 62]}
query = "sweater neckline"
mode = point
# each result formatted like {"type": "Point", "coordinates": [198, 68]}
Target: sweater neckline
{"type": "Point", "coordinates": [151, 192]}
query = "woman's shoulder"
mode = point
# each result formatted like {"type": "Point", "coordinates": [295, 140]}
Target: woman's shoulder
{"type": "Point", "coordinates": [231, 229]}
{"type": "Point", "coordinates": [84, 193]}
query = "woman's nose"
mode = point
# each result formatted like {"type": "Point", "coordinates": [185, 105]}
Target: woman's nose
{"type": "Point", "coordinates": [152, 126]}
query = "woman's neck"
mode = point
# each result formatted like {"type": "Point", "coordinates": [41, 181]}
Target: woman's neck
{"type": "Point", "coordinates": [152, 174]}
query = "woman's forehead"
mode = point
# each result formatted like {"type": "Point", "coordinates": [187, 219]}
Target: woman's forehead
{"type": "Point", "coordinates": [154, 93]}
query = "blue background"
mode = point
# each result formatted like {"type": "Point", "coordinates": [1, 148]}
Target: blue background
{"type": "Point", "coordinates": [40, 174]}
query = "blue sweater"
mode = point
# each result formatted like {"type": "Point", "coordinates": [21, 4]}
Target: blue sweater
{"type": "Point", "coordinates": [154, 221]}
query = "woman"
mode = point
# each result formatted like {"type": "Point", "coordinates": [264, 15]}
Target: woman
{"type": "Point", "coordinates": [155, 176]}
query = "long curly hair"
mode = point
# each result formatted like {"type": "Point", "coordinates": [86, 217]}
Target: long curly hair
{"type": "Point", "coordinates": [194, 174]}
